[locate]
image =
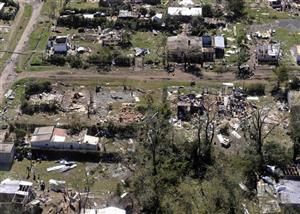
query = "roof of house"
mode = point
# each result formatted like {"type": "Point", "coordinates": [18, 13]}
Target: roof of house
{"type": "Point", "coordinates": [270, 49]}
{"type": "Point", "coordinates": [207, 41]}
{"type": "Point", "coordinates": [185, 11]}
{"type": "Point", "coordinates": [43, 137]}
{"type": "Point", "coordinates": [219, 42]}
{"type": "Point", "coordinates": [1, 5]}
{"type": "Point", "coordinates": [186, 2]}
{"type": "Point", "coordinates": [298, 49]}
{"type": "Point", "coordinates": [6, 147]}
{"type": "Point", "coordinates": [289, 191]}
{"type": "Point", "coordinates": [43, 130]}
{"type": "Point", "coordinates": [60, 47]}
{"type": "Point", "coordinates": [127, 14]}
{"type": "Point", "coordinates": [13, 186]}
{"type": "Point", "coordinates": [90, 139]}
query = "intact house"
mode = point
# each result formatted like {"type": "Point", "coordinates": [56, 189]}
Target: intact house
{"type": "Point", "coordinates": [58, 45]}
{"type": "Point", "coordinates": [268, 53]}
{"type": "Point", "coordinates": [51, 138]}
{"type": "Point", "coordinates": [7, 153]}
{"type": "Point", "coordinates": [16, 191]}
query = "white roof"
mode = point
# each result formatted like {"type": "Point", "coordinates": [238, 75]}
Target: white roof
{"type": "Point", "coordinates": [107, 210]}
{"type": "Point", "coordinates": [1, 5]}
{"type": "Point", "coordinates": [12, 186]}
{"type": "Point", "coordinates": [88, 16]}
{"type": "Point", "coordinates": [185, 11]}
{"type": "Point", "coordinates": [90, 139]}
{"type": "Point", "coordinates": [186, 2]}
{"type": "Point", "coordinates": [57, 138]}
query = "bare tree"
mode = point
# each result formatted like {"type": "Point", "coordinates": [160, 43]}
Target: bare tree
{"type": "Point", "coordinates": [257, 125]}
{"type": "Point", "coordinates": [205, 124]}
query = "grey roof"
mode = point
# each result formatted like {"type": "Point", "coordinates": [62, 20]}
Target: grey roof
{"type": "Point", "coordinates": [289, 191]}
{"type": "Point", "coordinates": [60, 48]}
{"type": "Point", "coordinates": [43, 130]}
{"type": "Point", "coordinates": [219, 42]}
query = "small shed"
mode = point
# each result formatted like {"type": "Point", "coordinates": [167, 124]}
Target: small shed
{"type": "Point", "coordinates": [7, 153]}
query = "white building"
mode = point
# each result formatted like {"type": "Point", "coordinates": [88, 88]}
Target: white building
{"type": "Point", "coordinates": [185, 11]}
{"type": "Point", "coordinates": [57, 139]}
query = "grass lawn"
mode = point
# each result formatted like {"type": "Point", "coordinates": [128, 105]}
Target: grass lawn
{"type": "Point", "coordinates": [155, 44]}
{"type": "Point", "coordinates": [288, 39]}
{"type": "Point", "coordinates": [39, 37]}
{"type": "Point", "coordinates": [80, 4]}
{"type": "Point", "coordinates": [75, 178]}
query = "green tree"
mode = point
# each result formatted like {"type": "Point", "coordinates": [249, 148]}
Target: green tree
{"type": "Point", "coordinates": [207, 10]}
{"type": "Point", "coordinates": [276, 154]}
{"type": "Point", "coordinates": [281, 73]}
{"type": "Point", "coordinates": [236, 7]}
{"type": "Point", "coordinates": [295, 129]}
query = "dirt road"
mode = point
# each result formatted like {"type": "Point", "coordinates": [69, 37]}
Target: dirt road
{"type": "Point", "coordinates": [8, 74]}
{"type": "Point", "coordinates": [179, 76]}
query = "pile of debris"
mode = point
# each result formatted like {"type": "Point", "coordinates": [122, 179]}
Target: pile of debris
{"type": "Point", "coordinates": [127, 115]}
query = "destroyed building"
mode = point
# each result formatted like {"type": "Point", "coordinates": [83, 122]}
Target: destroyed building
{"type": "Point", "coordinates": [188, 105]}
{"type": "Point", "coordinates": [268, 53]}
{"type": "Point", "coordinates": [111, 38]}
{"type": "Point", "coordinates": [51, 138]}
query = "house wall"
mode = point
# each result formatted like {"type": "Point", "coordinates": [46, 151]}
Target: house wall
{"type": "Point", "coordinates": [8, 157]}
{"type": "Point", "coordinates": [64, 145]}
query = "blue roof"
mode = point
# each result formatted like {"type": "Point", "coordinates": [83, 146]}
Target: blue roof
{"type": "Point", "coordinates": [206, 41]}
{"type": "Point", "coordinates": [219, 42]}
{"type": "Point", "coordinates": [60, 48]}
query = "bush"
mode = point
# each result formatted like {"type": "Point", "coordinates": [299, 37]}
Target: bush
{"type": "Point", "coordinates": [256, 89]}
{"type": "Point", "coordinates": [58, 60]}
{"type": "Point", "coordinates": [37, 87]}
{"type": "Point", "coordinates": [75, 61]}
{"type": "Point", "coordinates": [123, 61]}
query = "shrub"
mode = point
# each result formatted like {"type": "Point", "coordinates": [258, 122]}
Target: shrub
{"type": "Point", "coordinates": [58, 60]}
{"type": "Point", "coordinates": [256, 89]}
{"type": "Point", "coordinates": [37, 87]}
{"type": "Point", "coordinates": [75, 61]}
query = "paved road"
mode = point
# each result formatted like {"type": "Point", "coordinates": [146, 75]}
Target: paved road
{"type": "Point", "coordinates": [8, 74]}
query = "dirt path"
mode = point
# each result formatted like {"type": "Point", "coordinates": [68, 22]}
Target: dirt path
{"type": "Point", "coordinates": [8, 74]}
{"type": "Point", "coordinates": [179, 76]}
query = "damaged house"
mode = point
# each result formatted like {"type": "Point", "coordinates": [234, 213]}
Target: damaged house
{"type": "Point", "coordinates": [182, 48]}
{"type": "Point", "coordinates": [193, 49]}
{"type": "Point", "coordinates": [51, 138]}
{"type": "Point", "coordinates": [268, 53]}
